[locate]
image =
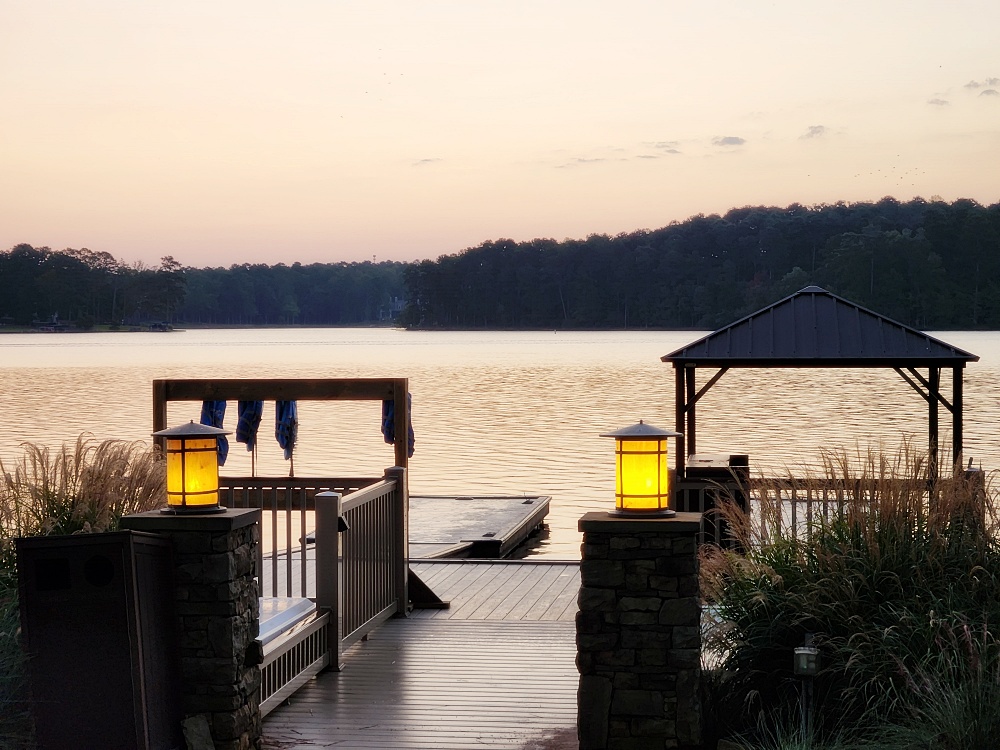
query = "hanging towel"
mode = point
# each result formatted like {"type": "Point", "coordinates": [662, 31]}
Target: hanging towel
{"type": "Point", "coordinates": [389, 423]}
{"type": "Point", "coordinates": [286, 425]}
{"type": "Point", "coordinates": [249, 420]}
{"type": "Point", "coordinates": [213, 413]}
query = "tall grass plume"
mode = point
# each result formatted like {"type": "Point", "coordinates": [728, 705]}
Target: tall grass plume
{"type": "Point", "coordinates": [83, 488]}
{"type": "Point", "coordinates": [888, 554]}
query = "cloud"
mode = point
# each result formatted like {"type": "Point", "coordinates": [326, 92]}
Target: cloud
{"type": "Point", "coordinates": [728, 140]}
{"type": "Point", "coordinates": [993, 81]}
{"type": "Point", "coordinates": [423, 162]}
{"type": "Point", "coordinates": [989, 92]}
{"type": "Point", "coordinates": [667, 147]}
{"type": "Point", "coordinates": [815, 131]}
{"type": "Point", "coordinates": [973, 85]}
{"type": "Point", "coordinates": [647, 156]}
{"type": "Point", "coordinates": [581, 161]}
{"type": "Point", "coordinates": [938, 102]}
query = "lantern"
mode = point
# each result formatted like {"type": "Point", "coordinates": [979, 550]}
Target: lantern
{"type": "Point", "coordinates": [643, 483]}
{"type": "Point", "coordinates": [806, 663]}
{"type": "Point", "coordinates": [192, 455]}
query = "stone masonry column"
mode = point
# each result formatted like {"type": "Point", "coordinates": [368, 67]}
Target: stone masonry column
{"type": "Point", "coordinates": [217, 608]}
{"type": "Point", "coordinates": [638, 633]}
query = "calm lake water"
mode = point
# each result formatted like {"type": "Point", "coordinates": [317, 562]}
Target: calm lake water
{"type": "Point", "coordinates": [494, 412]}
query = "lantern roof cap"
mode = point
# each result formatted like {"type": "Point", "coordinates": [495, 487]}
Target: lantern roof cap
{"type": "Point", "coordinates": [192, 430]}
{"type": "Point", "coordinates": [640, 431]}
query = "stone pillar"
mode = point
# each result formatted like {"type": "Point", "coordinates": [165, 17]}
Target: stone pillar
{"type": "Point", "coordinates": [217, 608]}
{"type": "Point", "coordinates": [638, 633]}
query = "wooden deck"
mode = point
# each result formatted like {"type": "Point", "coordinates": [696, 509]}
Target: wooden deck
{"type": "Point", "coordinates": [496, 670]}
{"type": "Point", "coordinates": [503, 591]}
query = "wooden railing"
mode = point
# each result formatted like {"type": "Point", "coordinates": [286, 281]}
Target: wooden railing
{"type": "Point", "coordinates": [792, 506]}
{"type": "Point", "coordinates": [359, 575]}
{"type": "Point", "coordinates": [288, 516]}
{"type": "Point", "coordinates": [361, 558]}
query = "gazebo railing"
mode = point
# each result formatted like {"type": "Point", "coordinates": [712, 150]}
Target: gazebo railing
{"type": "Point", "coordinates": [792, 506]}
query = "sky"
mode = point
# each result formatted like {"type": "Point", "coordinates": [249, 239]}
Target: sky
{"type": "Point", "coordinates": [222, 132]}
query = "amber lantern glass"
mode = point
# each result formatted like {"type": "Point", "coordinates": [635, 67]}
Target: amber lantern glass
{"type": "Point", "coordinates": [191, 452]}
{"type": "Point", "coordinates": [643, 480]}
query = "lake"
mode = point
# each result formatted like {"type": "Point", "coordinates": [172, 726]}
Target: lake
{"type": "Point", "coordinates": [493, 412]}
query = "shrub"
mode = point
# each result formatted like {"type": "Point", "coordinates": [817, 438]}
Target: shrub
{"type": "Point", "coordinates": [951, 699]}
{"type": "Point", "coordinates": [873, 581]}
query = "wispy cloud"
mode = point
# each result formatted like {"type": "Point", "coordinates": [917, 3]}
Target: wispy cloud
{"type": "Point", "coordinates": [815, 131]}
{"type": "Point", "coordinates": [989, 92]}
{"type": "Point", "coordinates": [728, 140]}
{"type": "Point", "coordinates": [667, 147]}
{"type": "Point", "coordinates": [424, 162]}
{"type": "Point", "coordinates": [938, 102]}
{"type": "Point", "coordinates": [581, 161]}
{"type": "Point", "coordinates": [986, 83]}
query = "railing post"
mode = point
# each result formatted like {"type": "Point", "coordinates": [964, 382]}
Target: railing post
{"type": "Point", "coordinates": [328, 569]}
{"type": "Point", "coordinates": [401, 540]}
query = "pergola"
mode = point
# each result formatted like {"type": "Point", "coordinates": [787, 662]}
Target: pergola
{"type": "Point", "coordinates": [815, 328]}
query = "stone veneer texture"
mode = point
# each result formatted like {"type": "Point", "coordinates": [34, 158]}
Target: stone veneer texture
{"type": "Point", "coordinates": [638, 634]}
{"type": "Point", "coordinates": [217, 607]}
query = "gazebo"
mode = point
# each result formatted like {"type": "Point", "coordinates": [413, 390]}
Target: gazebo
{"type": "Point", "coordinates": [815, 328]}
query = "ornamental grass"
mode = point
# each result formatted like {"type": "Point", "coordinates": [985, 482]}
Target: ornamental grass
{"type": "Point", "coordinates": [885, 583]}
{"type": "Point", "coordinates": [83, 488]}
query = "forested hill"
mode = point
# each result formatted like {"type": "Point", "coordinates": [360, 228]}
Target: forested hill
{"type": "Point", "coordinates": [82, 288]}
{"type": "Point", "coordinates": [927, 264]}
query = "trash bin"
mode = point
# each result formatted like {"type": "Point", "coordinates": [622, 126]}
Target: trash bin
{"type": "Point", "coordinates": [710, 471]}
{"type": "Point", "coordinates": [98, 625]}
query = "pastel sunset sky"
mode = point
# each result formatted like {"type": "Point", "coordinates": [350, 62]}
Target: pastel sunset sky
{"type": "Point", "coordinates": [225, 132]}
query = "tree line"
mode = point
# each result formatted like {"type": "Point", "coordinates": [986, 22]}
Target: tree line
{"type": "Point", "coordinates": [927, 264]}
{"type": "Point", "coordinates": [83, 288]}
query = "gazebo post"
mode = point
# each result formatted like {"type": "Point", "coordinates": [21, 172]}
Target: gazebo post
{"type": "Point", "coordinates": [690, 400]}
{"type": "Point", "coordinates": [679, 412]}
{"type": "Point", "coordinates": [934, 391]}
{"type": "Point", "coordinates": [957, 374]}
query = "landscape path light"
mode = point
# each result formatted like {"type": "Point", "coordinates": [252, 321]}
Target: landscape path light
{"type": "Point", "coordinates": [643, 479]}
{"type": "Point", "coordinates": [192, 456]}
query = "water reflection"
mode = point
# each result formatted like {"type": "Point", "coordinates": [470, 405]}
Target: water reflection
{"type": "Point", "coordinates": [494, 412]}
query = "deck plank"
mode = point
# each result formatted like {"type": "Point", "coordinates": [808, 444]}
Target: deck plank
{"type": "Point", "coordinates": [502, 590]}
{"type": "Point", "coordinates": [438, 685]}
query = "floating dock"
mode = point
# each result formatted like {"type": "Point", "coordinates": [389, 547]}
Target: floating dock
{"type": "Point", "coordinates": [472, 526]}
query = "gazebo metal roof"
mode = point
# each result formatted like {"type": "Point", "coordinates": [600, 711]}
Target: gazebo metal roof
{"type": "Point", "coordinates": [815, 328]}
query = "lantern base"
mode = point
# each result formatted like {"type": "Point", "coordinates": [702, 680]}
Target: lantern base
{"type": "Point", "coordinates": [190, 510]}
{"type": "Point", "coordinates": [659, 513]}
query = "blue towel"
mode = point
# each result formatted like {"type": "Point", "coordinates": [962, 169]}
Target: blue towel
{"type": "Point", "coordinates": [389, 424]}
{"type": "Point", "coordinates": [213, 413]}
{"type": "Point", "coordinates": [286, 425]}
{"type": "Point", "coordinates": [249, 420]}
